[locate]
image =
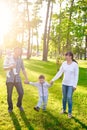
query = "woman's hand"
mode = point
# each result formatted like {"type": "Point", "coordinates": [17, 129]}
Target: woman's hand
{"type": "Point", "coordinates": [51, 82]}
{"type": "Point", "coordinates": [74, 88]}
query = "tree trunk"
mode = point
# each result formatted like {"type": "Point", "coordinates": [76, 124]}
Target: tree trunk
{"type": "Point", "coordinates": [59, 37]}
{"type": "Point", "coordinates": [85, 56]}
{"type": "Point", "coordinates": [49, 28]}
{"type": "Point", "coordinates": [45, 34]}
{"type": "Point", "coordinates": [68, 43]}
{"type": "Point", "coordinates": [28, 51]}
{"type": "Point", "coordinates": [37, 41]}
{"type": "Point", "coordinates": [32, 42]}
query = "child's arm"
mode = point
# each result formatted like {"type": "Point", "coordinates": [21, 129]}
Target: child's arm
{"type": "Point", "coordinates": [49, 85]}
{"type": "Point", "coordinates": [32, 83]}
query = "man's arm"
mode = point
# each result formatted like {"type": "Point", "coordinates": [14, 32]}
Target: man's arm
{"type": "Point", "coordinates": [24, 71]}
{"type": "Point", "coordinates": [25, 75]}
{"type": "Point", "coordinates": [9, 68]}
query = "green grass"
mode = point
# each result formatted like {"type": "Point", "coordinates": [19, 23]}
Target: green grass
{"type": "Point", "coordinates": [50, 120]}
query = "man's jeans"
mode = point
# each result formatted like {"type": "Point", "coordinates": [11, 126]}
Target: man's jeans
{"type": "Point", "coordinates": [19, 89]}
{"type": "Point", "coordinates": [42, 102]}
{"type": "Point", "coordinates": [67, 95]}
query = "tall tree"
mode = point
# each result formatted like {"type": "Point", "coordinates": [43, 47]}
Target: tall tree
{"type": "Point", "coordinates": [49, 27]}
{"type": "Point", "coordinates": [45, 33]}
{"type": "Point", "coordinates": [68, 43]}
{"type": "Point", "coordinates": [28, 19]}
{"type": "Point", "coordinates": [36, 20]}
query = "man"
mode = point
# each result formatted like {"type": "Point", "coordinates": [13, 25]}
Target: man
{"type": "Point", "coordinates": [15, 80]}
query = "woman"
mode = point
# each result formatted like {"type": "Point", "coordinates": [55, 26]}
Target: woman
{"type": "Point", "coordinates": [70, 80]}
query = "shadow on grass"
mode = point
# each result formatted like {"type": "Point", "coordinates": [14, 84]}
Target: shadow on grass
{"type": "Point", "coordinates": [52, 122]}
{"type": "Point", "coordinates": [15, 121]}
{"type": "Point", "coordinates": [24, 118]}
{"type": "Point", "coordinates": [81, 123]}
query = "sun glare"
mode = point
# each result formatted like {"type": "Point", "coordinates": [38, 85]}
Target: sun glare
{"type": "Point", "coordinates": [5, 21]}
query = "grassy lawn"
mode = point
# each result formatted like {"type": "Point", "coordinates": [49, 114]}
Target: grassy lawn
{"type": "Point", "coordinates": [51, 119]}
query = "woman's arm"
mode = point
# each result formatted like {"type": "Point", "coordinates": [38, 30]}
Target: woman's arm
{"type": "Point", "coordinates": [76, 75]}
{"type": "Point", "coordinates": [58, 75]}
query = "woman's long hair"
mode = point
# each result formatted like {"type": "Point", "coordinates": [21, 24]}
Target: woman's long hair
{"type": "Point", "coordinates": [72, 56]}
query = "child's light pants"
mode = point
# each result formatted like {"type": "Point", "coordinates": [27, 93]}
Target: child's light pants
{"type": "Point", "coordinates": [42, 102]}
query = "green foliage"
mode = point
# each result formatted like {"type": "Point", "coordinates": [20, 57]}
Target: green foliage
{"type": "Point", "coordinates": [76, 27]}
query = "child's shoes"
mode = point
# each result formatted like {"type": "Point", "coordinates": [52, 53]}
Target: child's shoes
{"type": "Point", "coordinates": [36, 109]}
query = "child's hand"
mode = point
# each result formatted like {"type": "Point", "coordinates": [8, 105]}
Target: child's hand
{"type": "Point", "coordinates": [26, 82]}
{"type": "Point", "coordinates": [51, 82]}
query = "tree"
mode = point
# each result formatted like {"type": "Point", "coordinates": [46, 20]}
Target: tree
{"type": "Point", "coordinates": [36, 21]}
{"type": "Point", "coordinates": [45, 33]}
{"type": "Point", "coordinates": [49, 27]}
{"type": "Point", "coordinates": [68, 43]}
{"type": "Point", "coordinates": [29, 31]}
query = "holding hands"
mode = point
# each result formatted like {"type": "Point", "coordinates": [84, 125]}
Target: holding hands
{"type": "Point", "coordinates": [26, 82]}
{"type": "Point", "coordinates": [51, 82]}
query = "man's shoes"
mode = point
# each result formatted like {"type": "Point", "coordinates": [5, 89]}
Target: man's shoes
{"type": "Point", "coordinates": [21, 109]}
{"type": "Point", "coordinates": [10, 110]}
{"type": "Point", "coordinates": [36, 109]}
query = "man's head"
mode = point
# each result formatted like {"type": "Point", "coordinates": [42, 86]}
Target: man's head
{"type": "Point", "coordinates": [17, 51]}
{"type": "Point", "coordinates": [41, 79]}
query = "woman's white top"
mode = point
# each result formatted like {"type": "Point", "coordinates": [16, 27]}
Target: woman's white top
{"type": "Point", "coordinates": [71, 72]}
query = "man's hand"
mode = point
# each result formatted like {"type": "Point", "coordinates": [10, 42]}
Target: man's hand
{"type": "Point", "coordinates": [26, 82]}
{"type": "Point", "coordinates": [51, 82]}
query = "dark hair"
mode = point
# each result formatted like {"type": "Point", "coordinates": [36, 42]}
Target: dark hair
{"type": "Point", "coordinates": [71, 54]}
{"type": "Point", "coordinates": [41, 77]}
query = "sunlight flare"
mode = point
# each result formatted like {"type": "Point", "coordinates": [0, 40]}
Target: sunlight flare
{"type": "Point", "coordinates": [5, 21]}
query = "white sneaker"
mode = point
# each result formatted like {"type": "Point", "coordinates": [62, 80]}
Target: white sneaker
{"type": "Point", "coordinates": [69, 116]}
{"type": "Point", "coordinates": [63, 112]}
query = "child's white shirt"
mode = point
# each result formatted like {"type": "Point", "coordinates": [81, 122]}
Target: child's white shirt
{"type": "Point", "coordinates": [42, 88]}
{"type": "Point", "coordinates": [9, 61]}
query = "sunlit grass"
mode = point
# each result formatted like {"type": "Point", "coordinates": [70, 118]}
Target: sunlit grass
{"type": "Point", "coordinates": [50, 120]}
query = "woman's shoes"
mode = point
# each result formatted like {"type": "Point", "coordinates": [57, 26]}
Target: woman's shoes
{"type": "Point", "coordinates": [63, 112]}
{"type": "Point", "coordinates": [69, 116]}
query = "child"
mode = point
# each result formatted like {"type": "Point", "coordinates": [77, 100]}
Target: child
{"type": "Point", "coordinates": [9, 62]}
{"type": "Point", "coordinates": [42, 86]}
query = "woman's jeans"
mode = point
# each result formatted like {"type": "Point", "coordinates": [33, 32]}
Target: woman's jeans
{"type": "Point", "coordinates": [67, 96]}
{"type": "Point", "coordinates": [42, 102]}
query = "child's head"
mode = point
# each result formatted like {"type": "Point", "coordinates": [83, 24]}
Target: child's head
{"type": "Point", "coordinates": [41, 79]}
